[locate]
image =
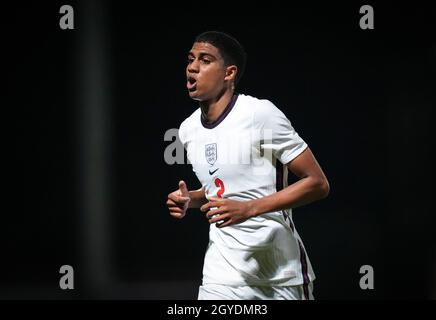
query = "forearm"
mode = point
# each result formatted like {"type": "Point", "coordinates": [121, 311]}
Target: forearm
{"type": "Point", "coordinates": [198, 198]}
{"type": "Point", "coordinates": [302, 192]}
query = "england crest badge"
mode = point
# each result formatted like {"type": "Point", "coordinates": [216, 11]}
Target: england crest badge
{"type": "Point", "coordinates": [210, 153]}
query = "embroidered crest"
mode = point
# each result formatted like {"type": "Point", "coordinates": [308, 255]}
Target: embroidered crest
{"type": "Point", "coordinates": [210, 153]}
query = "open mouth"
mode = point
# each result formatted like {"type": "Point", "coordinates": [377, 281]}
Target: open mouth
{"type": "Point", "coordinates": [191, 84]}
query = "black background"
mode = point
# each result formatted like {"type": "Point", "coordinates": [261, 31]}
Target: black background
{"type": "Point", "coordinates": [362, 99]}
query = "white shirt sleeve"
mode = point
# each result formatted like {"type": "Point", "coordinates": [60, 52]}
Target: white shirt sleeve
{"type": "Point", "coordinates": [281, 137]}
{"type": "Point", "coordinates": [182, 133]}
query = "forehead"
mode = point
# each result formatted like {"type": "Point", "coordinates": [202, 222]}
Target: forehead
{"type": "Point", "coordinates": [205, 48]}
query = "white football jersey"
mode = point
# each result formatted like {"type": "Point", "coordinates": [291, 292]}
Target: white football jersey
{"type": "Point", "coordinates": [243, 156]}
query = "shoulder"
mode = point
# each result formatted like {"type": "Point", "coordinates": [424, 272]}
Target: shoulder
{"type": "Point", "coordinates": [258, 104]}
{"type": "Point", "coordinates": [263, 109]}
{"type": "Point", "coordinates": [192, 119]}
{"type": "Point", "coordinates": [189, 124]}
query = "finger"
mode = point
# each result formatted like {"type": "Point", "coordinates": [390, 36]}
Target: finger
{"type": "Point", "coordinates": [178, 199]}
{"type": "Point", "coordinates": [219, 217]}
{"type": "Point", "coordinates": [176, 210]}
{"type": "Point", "coordinates": [215, 200]}
{"type": "Point", "coordinates": [171, 203]}
{"type": "Point", "coordinates": [177, 215]}
{"type": "Point", "coordinates": [175, 205]}
{"type": "Point", "coordinates": [211, 204]}
{"type": "Point", "coordinates": [204, 207]}
{"type": "Point", "coordinates": [173, 196]}
{"type": "Point", "coordinates": [183, 199]}
{"type": "Point", "coordinates": [183, 189]}
{"type": "Point", "coordinates": [224, 224]}
{"type": "Point", "coordinates": [213, 212]}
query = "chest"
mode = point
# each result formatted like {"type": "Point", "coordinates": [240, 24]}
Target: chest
{"type": "Point", "coordinates": [227, 153]}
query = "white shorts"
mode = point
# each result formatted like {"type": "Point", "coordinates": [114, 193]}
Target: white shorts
{"type": "Point", "coordinates": [223, 292]}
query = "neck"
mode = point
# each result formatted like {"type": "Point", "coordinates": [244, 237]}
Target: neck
{"type": "Point", "coordinates": [212, 109]}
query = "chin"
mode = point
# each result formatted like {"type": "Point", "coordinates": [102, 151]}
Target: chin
{"type": "Point", "coordinates": [194, 96]}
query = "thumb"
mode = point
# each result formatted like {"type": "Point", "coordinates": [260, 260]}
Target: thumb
{"type": "Point", "coordinates": [183, 189]}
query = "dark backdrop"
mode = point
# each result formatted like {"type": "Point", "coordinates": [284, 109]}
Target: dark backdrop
{"type": "Point", "coordinates": [362, 99]}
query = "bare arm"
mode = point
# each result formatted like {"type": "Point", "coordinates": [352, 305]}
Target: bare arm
{"type": "Point", "coordinates": [312, 186]}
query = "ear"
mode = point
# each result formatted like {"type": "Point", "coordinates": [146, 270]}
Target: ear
{"type": "Point", "coordinates": [231, 72]}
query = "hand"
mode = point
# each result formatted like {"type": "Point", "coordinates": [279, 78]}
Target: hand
{"type": "Point", "coordinates": [178, 201]}
{"type": "Point", "coordinates": [230, 211]}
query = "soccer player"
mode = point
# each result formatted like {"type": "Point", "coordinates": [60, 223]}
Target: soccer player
{"type": "Point", "coordinates": [241, 149]}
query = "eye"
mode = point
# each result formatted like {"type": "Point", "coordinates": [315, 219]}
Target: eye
{"type": "Point", "coordinates": [190, 60]}
{"type": "Point", "coordinates": [206, 61]}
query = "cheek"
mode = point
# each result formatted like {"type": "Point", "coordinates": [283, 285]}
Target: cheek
{"type": "Point", "coordinates": [213, 77]}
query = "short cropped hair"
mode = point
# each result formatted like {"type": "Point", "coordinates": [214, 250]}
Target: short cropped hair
{"type": "Point", "coordinates": [230, 49]}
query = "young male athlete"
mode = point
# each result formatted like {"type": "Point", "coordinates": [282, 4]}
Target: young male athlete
{"type": "Point", "coordinates": [241, 149]}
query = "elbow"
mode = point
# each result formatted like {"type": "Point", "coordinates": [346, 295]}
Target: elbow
{"type": "Point", "coordinates": [323, 188]}
{"type": "Point", "coordinates": [326, 188]}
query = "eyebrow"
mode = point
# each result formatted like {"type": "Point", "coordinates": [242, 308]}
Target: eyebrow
{"type": "Point", "coordinates": [202, 54]}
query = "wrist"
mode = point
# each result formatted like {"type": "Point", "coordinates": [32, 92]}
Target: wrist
{"type": "Point", "coordinates": [253, 208]}
{"type": "Point", "coordinates": [197, 199]}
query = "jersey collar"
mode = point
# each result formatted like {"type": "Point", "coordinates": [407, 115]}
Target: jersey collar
{"type": "Point", "coordinates": [223, 115]}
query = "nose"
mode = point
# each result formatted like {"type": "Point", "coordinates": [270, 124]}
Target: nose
{"type": "Point", "coordinates": [193, 66]}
